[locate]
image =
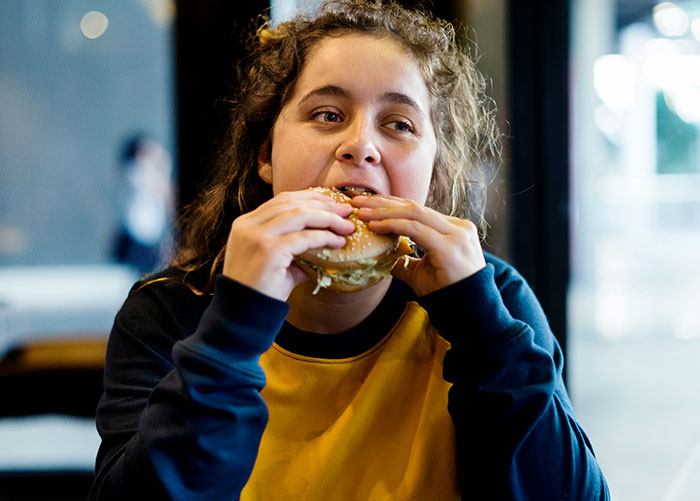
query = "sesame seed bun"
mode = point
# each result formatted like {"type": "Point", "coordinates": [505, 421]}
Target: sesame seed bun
{"type": "Point", "coordinates": [366, 259]}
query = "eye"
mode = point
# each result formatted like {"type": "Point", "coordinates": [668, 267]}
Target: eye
{"type": "Point", "coordinates": [403, 126]}
{"type": "Point", "coordinates": [326, 116]}
{"type": "Point", "coordinates": [400, 124]}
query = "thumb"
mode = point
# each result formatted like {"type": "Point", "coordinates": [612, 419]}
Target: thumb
{"type": "Point", "coordinates": [404, 268]}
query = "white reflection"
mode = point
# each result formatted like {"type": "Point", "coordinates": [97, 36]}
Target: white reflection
{"type": "Point", "coordinates": [695, 28]}
{"type": "Point", "coordinates": [613, 79]}
{"type": "Point", "coordinates": [94, 24]}
{"type": "Point", "coordinates": [161, 12]}
{"type": "Point", "coordinates": [660, 47]}
{"type": "Point", "coordinates": [687, 105]}
{"type": "Point", "coordinates": [609, 122]}
{"type": "Point", "coordinates": [677, 75]}
{"type": "Point", "coordinates": [283, 10]}
{"type": "Point", "coordinates": [687, 325]}
{"type": "Point", "coordinates": [670, 20]}
{"type": "Point", "coordinates": [661, 63]}
{"type": "Point", "coordinates": [48, 442]}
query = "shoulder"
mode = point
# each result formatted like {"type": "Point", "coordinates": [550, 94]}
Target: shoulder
{"type": "Point", "coordinates": [514, 289]}
{"type": "Point", "coordinates": [506, 276]}
{"type": "Point", "coordinates": [172, 297]}
{"type": "Point", "coordinates": [518, 296]}
{"type": "Point", "coordinates": [176, 279]}
{"type": "Point", "coordinates": [171, 285]}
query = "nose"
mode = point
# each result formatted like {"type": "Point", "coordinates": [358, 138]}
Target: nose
{"type": "Point", "coordinates": [358, 144]}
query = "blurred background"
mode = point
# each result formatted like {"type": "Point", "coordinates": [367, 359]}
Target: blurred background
{"type": "Point", "coordinates": [108, 115]}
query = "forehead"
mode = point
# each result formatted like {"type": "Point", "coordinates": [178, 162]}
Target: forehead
{"type": "Point", "coordinates": [363, 63]}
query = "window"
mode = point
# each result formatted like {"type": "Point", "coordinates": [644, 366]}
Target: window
{"type": "Point", "coordinates": [83, 85]}
{"type": "Point", "coordinates": [635, 321]}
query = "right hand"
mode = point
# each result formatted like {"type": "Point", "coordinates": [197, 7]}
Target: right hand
{"type": "Point", "coordinates": [262, 243]}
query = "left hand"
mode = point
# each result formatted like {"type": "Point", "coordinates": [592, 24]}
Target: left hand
{"type": "Point", "coordinates": [452, 248]}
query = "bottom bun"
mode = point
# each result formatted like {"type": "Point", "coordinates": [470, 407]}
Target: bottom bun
{"type": "Point", "coordinates": [338, 282]}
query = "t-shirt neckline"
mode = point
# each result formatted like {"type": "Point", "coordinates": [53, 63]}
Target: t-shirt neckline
{"type": "Point", "coordinates": [357, 340]}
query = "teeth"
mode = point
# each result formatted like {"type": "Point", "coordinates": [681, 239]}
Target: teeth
{"type": "Point", "coordinates": [354, 191]}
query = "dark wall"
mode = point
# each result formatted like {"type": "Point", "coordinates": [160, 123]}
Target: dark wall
{"type": "Point", "coordinates": [445, 9]}
{"type": "Point", "coordinates": [539, 181]}
{"type": "Point", "coordinates": [210, 39]}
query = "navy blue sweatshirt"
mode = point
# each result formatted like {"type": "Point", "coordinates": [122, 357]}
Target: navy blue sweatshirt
{"type": "Point", "coordinates": [182, 416]}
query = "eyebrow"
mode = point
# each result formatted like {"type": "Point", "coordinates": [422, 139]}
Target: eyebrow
{"type": "Point", "coordinates": [399, 98]}
{"type": "Point", "coordinates": [386, 97]}
{"type": "Point", "coordinates": [326, 90]}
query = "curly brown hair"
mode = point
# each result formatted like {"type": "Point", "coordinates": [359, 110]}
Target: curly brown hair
{"type": "Point", "coordinates": [462, 115]}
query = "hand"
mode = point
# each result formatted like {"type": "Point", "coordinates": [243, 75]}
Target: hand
{"type": "Point", "coordinates": [262, 243]}
{"type": "Point", "coordinates": [452, 248]}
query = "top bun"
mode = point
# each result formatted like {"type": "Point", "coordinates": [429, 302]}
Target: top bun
{"type": "Point", "coordinates": [361, 245]}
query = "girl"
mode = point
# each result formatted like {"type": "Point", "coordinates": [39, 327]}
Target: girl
{"type": "Point", "coordinates": [226, 377]}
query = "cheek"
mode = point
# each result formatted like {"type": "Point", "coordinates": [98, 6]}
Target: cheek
{"type": "Point", "coordinates": [413, 181]}
{"type": "Point", "coordinates": [419, 180]}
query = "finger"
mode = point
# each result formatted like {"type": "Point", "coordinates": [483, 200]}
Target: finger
{"type": "Point", "coordinates": [403, 269]}
{"type": "Point", "coordinates": [300, 218]}
{"type": "Point", "coordinates": [299, 242]}
{"type": "Point", "coordinates": [378, 201]}
{"type": "Point", "coordinates": [298, 275]}
{"type": "Point", "coordinates": [274, 207]}
{"type": "Point", "coordinates": [411, 211]}
{"type": "Point", "coordinates": [306, 194]}
{"type": "Point", "coordinates": [422, 234]}
{"type": "Point", "coordinates": [310, 194]}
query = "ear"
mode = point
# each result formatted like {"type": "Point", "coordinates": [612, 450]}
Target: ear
{"type": "Point", "coordinates": [265, 162]}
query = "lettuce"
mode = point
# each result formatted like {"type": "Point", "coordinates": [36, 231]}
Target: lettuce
{"type": "Point", "coordinates": [373, 271]}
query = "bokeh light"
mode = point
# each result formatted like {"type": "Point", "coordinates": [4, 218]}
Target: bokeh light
{"type": "Point", "coordinates": [94, 24]}
{"type": "Point", "coordinates": [614, 80]}
{"type": "Point", "coordinates": [670, 19]}
{"type": "Point", "coordinates": [695, 28]}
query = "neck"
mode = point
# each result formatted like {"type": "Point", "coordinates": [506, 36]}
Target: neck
{"type": "Point", "coordinates": [332, 312]}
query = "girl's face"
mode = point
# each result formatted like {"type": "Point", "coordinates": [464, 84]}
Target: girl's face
{"type": "Point", "coordinates": [359, 116]}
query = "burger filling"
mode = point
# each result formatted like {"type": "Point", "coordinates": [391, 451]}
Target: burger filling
{"type": "Point", "coordinates": [372, 272]}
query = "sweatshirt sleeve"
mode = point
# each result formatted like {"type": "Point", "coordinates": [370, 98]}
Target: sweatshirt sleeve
{"type": "Point", "coordinates": [183, 419]}
{"type": "Point", "coordinates": [517, 435]}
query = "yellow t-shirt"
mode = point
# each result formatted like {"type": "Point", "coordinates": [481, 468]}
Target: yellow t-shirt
{"type": "Point", "coordinates": [370, 427]}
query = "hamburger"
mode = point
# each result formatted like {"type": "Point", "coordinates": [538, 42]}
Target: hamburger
{"type": "Point", "coordinates": [366, 259]}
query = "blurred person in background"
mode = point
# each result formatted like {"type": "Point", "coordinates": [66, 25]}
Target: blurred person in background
{"type": "Point", "coordinates": [146, 216]}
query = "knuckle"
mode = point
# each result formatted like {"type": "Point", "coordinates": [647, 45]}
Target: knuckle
{"type": "Point", "coordinates": [284, 195]}
{"type": "Point", "coordinates": [414, 226]}
{"type": "Point", "coordinates": [469, 226]}
{"type": "Point", "coordinates": [414, 206]}
{"type": "Point", "coordinates": [265, 245]}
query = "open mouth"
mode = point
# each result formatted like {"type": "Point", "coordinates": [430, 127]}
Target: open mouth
{"type": "Point", "coordinates": [354, 191]}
